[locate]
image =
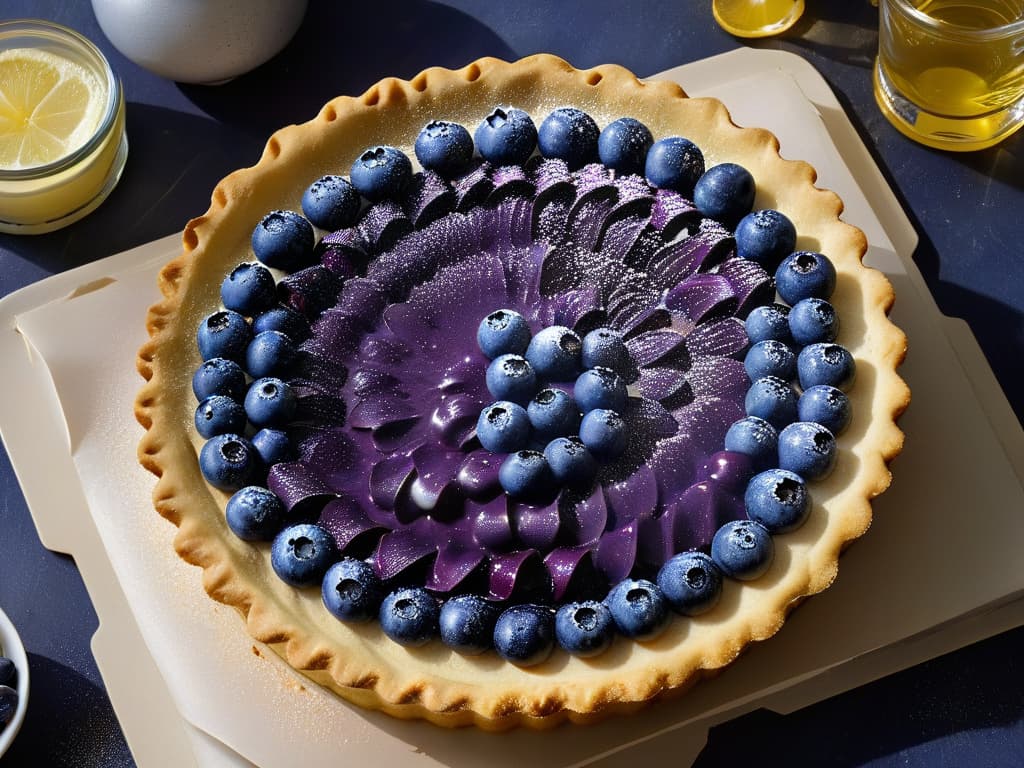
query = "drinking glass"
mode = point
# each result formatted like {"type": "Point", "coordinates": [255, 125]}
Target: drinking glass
{"type": "Point", "coordinates": [950, 73]}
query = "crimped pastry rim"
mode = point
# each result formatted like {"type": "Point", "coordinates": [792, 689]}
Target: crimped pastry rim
{"type": "Point", "coordinates": [360, 663]}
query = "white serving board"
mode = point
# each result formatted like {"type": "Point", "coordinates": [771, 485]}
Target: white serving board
{"type": "Point", "coordinates": [230, 707]}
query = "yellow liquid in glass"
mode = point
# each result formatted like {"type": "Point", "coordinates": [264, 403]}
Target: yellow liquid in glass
{"type": "Point", "coordinates": [53, 170]}
{"type": "Point", "coordinates": [951, 92]}
{"type": "Point", "coordinates": [756, 18]}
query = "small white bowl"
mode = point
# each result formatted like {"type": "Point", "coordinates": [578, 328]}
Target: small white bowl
{"type": "Point", "coordinates": [11, 647]}
{"type": "Point", "coordinates": [199, 41]}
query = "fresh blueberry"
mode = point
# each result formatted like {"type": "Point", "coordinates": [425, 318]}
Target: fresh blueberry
{"type": "Point", "coordinates": [623, 145]}
{"type": "Point", "coordinates": [525, 634]}
{"type": "Point", "coordinates": [503, 427]}
{"type": "Point", "coordinates": [770, 358]}
{"type": "Point", "coordinates": [805, 275]}
{"type": "Point", "coordinates": [766, 236]}
{"type": "Point", "coordinates": [778, 500]}
{"type": "Point", "coordinates": [507, 136]}
{"type": "Point", "coordinates": [8, 704]}
{"type": "Point", "coordinates": [827, 406]}
{"type": "Point", "coordinates": [808, 449]}
{"type": "Point", "coordinates": [571, 463]}
{"type": "Point", "coordinates": [254, 513]}
{"type": "Point", "coordinates": [584, 629]}
{"type": "Point", "coordinates": [813, 321]}
{"type": "Point", "coordinates": [218, 414]}
{"type": "Point", "coordinates": [228, 462]}
{"type": "Point", "coordinates": [639, 608]}
{"type": "Point", "coordinates": [825, 364]}
{"type": "Point", "coordinates": [503, 332]}
{"type": "Point", "coordinates": [511, 377]}
{"type": "Point", "coordinates": [301, 554]}
{"type": "Point", "coordinates": [270, 402]}
{"type": "Point", "coordinates": [445, 148]}
{"type": "Point", "coordinates": [691, 582]}
{"type": "Point", "coordinates": [223, 334]}
{"type": "Point", "coordinates": [604, 433]}
{"type": "Point", "coordinates": [569, 134]}
{"type": "Point", "coordinates": [352, 591]}
{"type": "Point", "coordinates": [553, 413]}
{"type": "Point", "coordinates": [410, 616]}
{"type": "Point", "coordinates": [674, 163]}
{"type": "Point", "coordinates": [269, 354]}
{"type": "Point", "coordinates": [467, 624]}
{"type": "Point", "coordinates": [219, 376]}
{"type": "Point", "coordinates": [284, 319]}
{"type": "Point", "coordinates": [604, 348]}
{"type": "Point", "coordinates": [725, 192]}
{"type": "Point", "coordinates": [331, 203]}
{"type": "Point", "coordinates": [555, 353]}
{"type": "Point", "coordinates": [381, 172]}
{"type": "Point", "coordinates": [742, 549]}
{"type": "Point", "coordinates": [526, 475]}
{"type": "Point", "coordinates": [284, 240]}
{"type": "Point", "coordinates": [772, 399]}
{"type": "Point", "coordinates": [8, 672]}
{"type": "Point", "coordinates": [249, 289]}
{"type": "Point", "coordinates": [272, 445]}
{"type": "Point", "coordinates": [600, 388]}
{"type": "Point", "coordinates": [768, 322]}
{"type": "Point", "coordinates": [756, 438]}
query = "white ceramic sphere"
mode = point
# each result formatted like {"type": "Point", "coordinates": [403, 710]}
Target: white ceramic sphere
{"type": "Point", "coordinates": [199, 41]}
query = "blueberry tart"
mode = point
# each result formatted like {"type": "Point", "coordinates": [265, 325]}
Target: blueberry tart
{"type": "Point", "coordinates": [518, 393]}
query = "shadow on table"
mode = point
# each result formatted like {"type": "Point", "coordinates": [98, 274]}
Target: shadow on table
{"type": "Point", "coordinates": [339, 49]}
{"type": "Point", "coordinates": [174, 161]}
{"type": "Point", "coordinates": [69, 722]}
{"type": "Point", "coordinates": [912, 718]}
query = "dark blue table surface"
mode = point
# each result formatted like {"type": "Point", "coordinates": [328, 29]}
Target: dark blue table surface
{"type": "Point", "coordinates": [964, 709]}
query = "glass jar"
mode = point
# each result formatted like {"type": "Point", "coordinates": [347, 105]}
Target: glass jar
{"type": "Point", "coordinates": [49, 196]}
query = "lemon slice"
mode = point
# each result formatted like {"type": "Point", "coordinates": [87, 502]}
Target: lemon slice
{"type": "Point", "coordinates": [49, 107]}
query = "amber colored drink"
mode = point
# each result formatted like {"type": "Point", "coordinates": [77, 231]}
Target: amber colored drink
{"type": "Point", "coordinates": [756, 18]}
{"type": "Point", "coordinates": [950, 73]}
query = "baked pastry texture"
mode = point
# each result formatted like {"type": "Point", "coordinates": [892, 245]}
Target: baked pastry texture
{"type": "Point", "coordinates": [357, 660]}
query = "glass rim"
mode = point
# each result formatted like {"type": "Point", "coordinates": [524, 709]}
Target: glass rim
{"type": "Point", "coordinates": [938, 26]}
{"type": "Point", "coordinates": [49, 30]}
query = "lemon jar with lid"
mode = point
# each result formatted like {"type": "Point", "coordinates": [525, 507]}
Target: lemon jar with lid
{"type": "Point", "coordinates": [62, 136]}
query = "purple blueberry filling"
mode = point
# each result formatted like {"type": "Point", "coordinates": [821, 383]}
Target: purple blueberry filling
{"type": "Point", "coordinates": [385, 451]}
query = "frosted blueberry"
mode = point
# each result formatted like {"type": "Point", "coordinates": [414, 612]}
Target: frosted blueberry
{"type": "Point", "coordinates": [584, 629]}
{"type": "Point", "coordinates": [725, 192]}
{"type": "Point", "coordinates": [623, 145]}
{"type": "Point", "coordinates": [743, 549]}
{"type": "Point", "coordinates": [284, 240]}
{"type": "Point", "coordinates": [301, 554]}
{"type": "Point", "coordinates": [381, 172]}
{"type": "Point", "coordinates": [691, 582]}
{"type": "Point", "coordinates": [808, 449]}
{"type": "Point", "coordinates": [569, 134]}
{"type": "Point", "coordinates": [254, 513]}
{"type": "Point", "coordinates": [674, 163]}
{"type": "Point", "coordinates": [778, 500]}
{"type": "Point", "coordinates": [639, 608]}
{"type": "Point", "coordinates": [467, 624]}
{"type": "Point", "coordinates": [525, 634]}
{"type": "Point", "coordinates": [352, 591]}
{"type": "Point", "coordinates": [503, 332]}
{"type": "Point", "coordinates": [410, 616]}
{"type": "Point", "coordinates": [766, 236]}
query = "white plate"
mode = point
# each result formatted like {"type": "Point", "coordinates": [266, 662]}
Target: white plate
{"type": "Point", "coordinates": [12, 648]}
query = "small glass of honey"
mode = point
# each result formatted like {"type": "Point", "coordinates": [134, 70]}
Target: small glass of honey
{"type": "Point", "coordinates": [62, 127]}
{"type": "Point", "coordinates": [756, 18]}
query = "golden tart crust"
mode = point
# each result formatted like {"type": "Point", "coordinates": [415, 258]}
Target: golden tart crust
{"type": "Point", "coordinates": [433, 682]}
